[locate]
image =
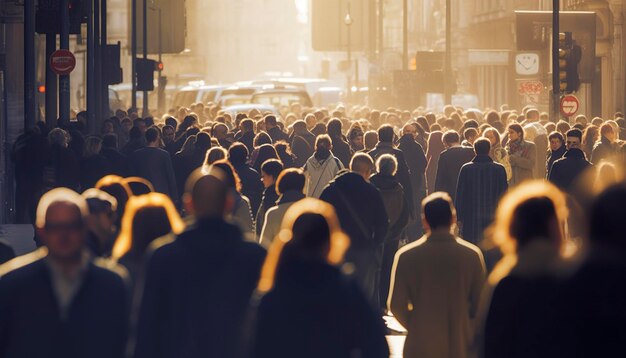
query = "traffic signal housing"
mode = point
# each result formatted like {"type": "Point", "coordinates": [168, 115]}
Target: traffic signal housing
{"type": "Point", "coordinates": [145, 74]}
{"type": "Point", "coordinates": [570, 55]}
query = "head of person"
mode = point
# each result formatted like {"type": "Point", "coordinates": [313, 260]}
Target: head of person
{"type": "Point", "coordinates": [109, 141]}
{"type": "Point", "coordinates": [247, 125]}
{"type": "Point", "coordinates": [238, 154]}
{"type": "Point", "coordinates": [410, 130]}
{"type": "Point", "coordinates": [607, 223]}
{"type": "Point", "coordinates": [385, 133]}
{"type": "Point", "coordinates": [262, 138]}
{"type": "Point", "coordinates": [107, 127]}
{"type": "Point", "coordinates": [172, 122]}
{"type": "Point", "coordinates": [532, 115]}
{"type": "Point", "coordinates": [482, 146]}
{"type": "Point", "coordinates": [370, 138]}
{"type": "Point", "coordinates": [270, 121]}
{"type": "Point", "coordinates": [147, 218]}
{"type": "Point", "coordinates": [102, 212]}
{"type": "Point", "coordinates": [556, 141]}
{"type": "Point", "coordinates": [230, 174]}
{"type": "Point", "coordinates": [573, 139]}
{"type": "Point", "coordinates": [270, 170]}
{"type": "Point", "coordinates": [323, 143]}
{"type": "Point", "coordinates": [139, 185]}
{"type": "Point", "coordinates": [117, 187]}
{"type": "Point", "coordinates": [387, 165]}
{"type": "Point", "coordinates": [362, 164]}
{"type": "Point", "coordinates": [532, 213]}
{"type": "Point", "coordinates": [92, 146]}
{"type": "Point", "coordinates": [220, 131]}
{"type": "Point", "coordinates": [168, 134]}
{"type": "Point", "coordinates": [292, 179]}
{"type": "Point", "coordinates": [153, 136]}
{"type": "Point", "coordinates": [214, 154]}
{"type": "Point", "coordinates": [451, 138]}
{"type": "Point", "coordinates": [310, 232]}
{"type": "Point", "coordinates": [470, 135]}
{"type": "Point", "coordinates": [207, 195]}
{"type": "Point", "coordinates": [61, 224]}
{"type": "Point", "coordinates": [265, 152]}
{"type": "Point", "coordinates": [516, 132]}
{"type": "Point", "coordinates": [438, 212]}
{"type": "Point", "coordinates": [141, 124]}
{"type": "Point", "coordinates": [355, 136]}
{"type": "Point", "coordinates": [334, 128]}
{"type": "Point", "coordinates": [607, 131]}
{"type": "Point", "coordinates": [59, 137]}
{"type": "Point", "coordinates": [493, 136]}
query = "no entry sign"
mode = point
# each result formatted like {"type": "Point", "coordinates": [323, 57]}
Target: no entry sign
{"type": "Point", "coordinates": [62, 62]}
{"type": "Point", "coordinates": [569, 105]}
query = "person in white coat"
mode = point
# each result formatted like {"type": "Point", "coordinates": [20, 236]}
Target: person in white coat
{"type": "Point", "coordinates": [322, 167]}
{"type": "Point", "coordinates": [436, 286]}
{"type": "Point", "coordinates": [290, 187]}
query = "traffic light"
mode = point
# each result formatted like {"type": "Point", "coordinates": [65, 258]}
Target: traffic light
{"type": "Point", "coordinates": [159, 66]}
{"type": "Point", "coordinates": [569, 58]}
{"type": "Point", "coordinates": [49, 12]}
{"type": "Point", "coordinates": [145, 74]}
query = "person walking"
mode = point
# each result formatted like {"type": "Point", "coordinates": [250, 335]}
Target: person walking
{"type": "Point", "coordinates": [566, 171]}
{"type": "Point", "coordinates": [155, 165]}
{"type": "Point", "coordinates": [322, 167]}
{"type": "Point", "coordinates": [450, 162]}
{"type": "Point", "coordinates": [417, 163]}
{"type": "Point", "coordinates": [199, 283]}
{"type": "Point", "coordinates": [309, 307]}
{"type": "Point", "coordinates": [557, 150]}
{"type": "Point", "coordinates": [522, 155]}
{"type": "Point", "coordinates": [57, 301]}
{"type": "Point", "coordinates": [436, 286]}
{"type": "Point", "coordinates": [481, 184]}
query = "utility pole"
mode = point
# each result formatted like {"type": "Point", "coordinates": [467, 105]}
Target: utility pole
{"type": "Point", "coordinates": [161, 81]}
{"type": "Point", "coordinates": [104, 83]}
{"type": "Point", "coordinates": [30, 102]}
{"type": "Point", "coordinates": [97, 24]}
{"type": "Point", "coordinates": [448, 62]}
{"type": "Point", "coordinates": [556, 88]}
{"type": "Point", "coordinates": [133, 43]}
{"type": "Point", "coordinates": [64, 80]}
{"type": "Point", "coordinates": [51, 82]}
{"type": "Point", "coordinates": [91, 79]}
{"type": "Point", "coordinates": [146, 110]}
{"type": "Point", "coordinates": [405, 35]}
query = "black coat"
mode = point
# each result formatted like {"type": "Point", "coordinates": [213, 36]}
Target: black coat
{"type": "Point", "coordinates": [396, 204]}
{"type": "Point", "coordinates": [449, 167]}
{"type": "Point", "coordinates": [196, 292]}
{"type": "Point", "coordinates": [553, 156]}
{"type": "Point", "coordinates": [277, 135]}
{"type": "Point", "coordinates": [251, 185]}
{"type": "Point", "coordinates": [31, 326]}
{"type": "Point", "coordinates": [93, 169]}
{"type": "Point", "coordinates": [602, 150]}
{"type": "Point", "coordinates": [303, 147]}
{"type": "Point", "coordinates": [62, 169]}
{"type": "Point", "coordinates": [403, 173]}
{"type": "Point", "coordinates": [247, 139]}
{"type": "Point", "coordinates": [481, 184]}
{"type": "Point", "coordinates": [417, 162]}
{"type": "Point", "coordinates": [566, 170]}
{"type": "Point", "coordinates": [341, 150]}
{"type": "Point", "coordinates": [155, 165]}
{"type": "Point", "coordinates": [117, 160]}
{"type": "Point", "coordinates": [316, 311]}
{"type": "Point", "coordinates": [6, 252]}
{"type": "Point", "coordinates": [270, 196]}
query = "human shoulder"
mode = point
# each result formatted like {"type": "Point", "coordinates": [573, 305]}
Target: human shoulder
{"type": "Point", "coordinates": [468, 248]}
{"type": "Point", "coordinates": [410, 249]}
{"type": "Point", "coordinates": [23, 265]}
{"type": "Point", "coordinates": [110, 270]}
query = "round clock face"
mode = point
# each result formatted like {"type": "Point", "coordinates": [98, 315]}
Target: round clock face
{"type": "Point", "coordinates": [527, 64]}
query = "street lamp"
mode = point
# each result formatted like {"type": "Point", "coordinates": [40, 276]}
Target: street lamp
{"type": "Point", "coordinates": [347, 20]}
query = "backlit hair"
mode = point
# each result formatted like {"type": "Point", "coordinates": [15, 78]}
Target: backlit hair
{"type": "Point", "coordinates": [124, 241]}
{"type": "Point", "coordinates": [59, 195]}
{"type": "Point", "coordinates": [339, 242]}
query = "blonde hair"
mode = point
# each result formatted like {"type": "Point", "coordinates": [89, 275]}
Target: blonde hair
{"type": "Point", "coordinates": [339, 242]}
{"type": "Point", "coordinates": [500, 233]}
{"type": "Point", "coordinates": [134, 206]}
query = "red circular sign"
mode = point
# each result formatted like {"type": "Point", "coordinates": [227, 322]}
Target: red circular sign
{"type": "Point", "coordinates": [569, 105]}
{"type": "Point", "coordinates": [62, 62]}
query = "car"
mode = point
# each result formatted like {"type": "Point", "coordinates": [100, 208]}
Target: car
{"type": "Point", "coordinates": [237, 95]}
{"type": "Point", "coordinates": [281, 96]}
{"type": "Point", "coordinates": [193, 94]}
{"type": "Point", "coordinates": [245, 108]}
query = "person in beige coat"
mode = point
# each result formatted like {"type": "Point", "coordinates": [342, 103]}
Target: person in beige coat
{"type": "Point", "coordinates": [436, 286]}
{"type": "Point", "coordinates": [522, 155]}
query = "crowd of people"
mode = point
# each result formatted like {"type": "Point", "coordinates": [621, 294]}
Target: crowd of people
{"type": "Point", "coordinates": [205, 233]}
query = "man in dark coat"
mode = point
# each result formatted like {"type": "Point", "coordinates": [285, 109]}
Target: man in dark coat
{"type": "Point", "coordinates": [385, 146]}
{"type": "Point", "coordinates": [566, 170]}
{"type": "Point", "coordinates": [57, 302]}
{"type": "Point", "coordinates": [557, 149]}
{"type": "Point", "coordinates": [362, 215]}
{"type": "Point", "coordinates": [246, 134]}
{"type": "Point", "coordinates": [274, 131]}
{"type": "Point", "coordinates": [481, 184]}
{"type": "Point", "coordinates": [417, 162]}
{"type": "Point", "coordinates": [251, 185]}
{"type": "Point", "coordinates": [27, 157]}
{"type": "Point", "coordinates": [341, 148]}
{"type": "Point", "coordinates": [198, 286]}
{"type": "Point", "coordinates": [155, 165]}
{"type": "Point", "coordinates": [118, 162]}
{"type": "Point", "coordinates": [302, 143]}
{"type": "Point", "coordinates": [450, 163]}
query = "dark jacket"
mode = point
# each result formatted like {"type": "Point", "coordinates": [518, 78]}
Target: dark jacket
{"type": "Point", "coordinates": [247, 139]}
{"type": "Point", "coordinates": [31, 325]}
{"type": "Point", "coordinates": [302, 146]}
{"type": "Point", "coordinates": [117, 160]}
{"type": "Point", "coordinates": [155, 165]}
{"type": "Point", "coordinates": [553, 156]}
{"type": "Point", "coordinates": [6, 252]}
{"type": "Point", "coordinates": [92, 169]}
{"type": "Point", "coordinates": [277, 135]}
{"type": "Point", "coordinates": [341, 150]}
{"type": "Point", "coordinates": [566, 170]}
{"type": "Point", "coordinates": [329, 311]}
{"type": "Point", "coordinates": [197, 288]}
{"type": "Point", "coordinates": [481, 184]}
{"type": "Point", "coordinates": [251, 185]}
{"type": "Point", "coordinates": [416, 161]}
{"type": "Point", "coordinates": [450, 163]}
{"type": "Point", "coordinates": [396, 204]}
{"type": "Point", "coordinates": [403, 174]}
{"type": "Point", "coordinates": [270, 197]}
{"type": "Point", "coordinates": [62, 169]}
{"type": "Point", "coordinates": [603, 149]}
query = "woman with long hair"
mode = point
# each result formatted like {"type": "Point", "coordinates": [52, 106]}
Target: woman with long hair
{"type": "Point", "coordinates": [590, 137]}
{"type": "Point", "coordinates": [264, 153]}
{"type": "Point", "coordinates": [117, 187]}
{"type": "Point", "coordinates": [310, 308]}
{"type": "Point", "coordinates": [529, 229]}
{"type": "Point", "coordinates": [260, 139]}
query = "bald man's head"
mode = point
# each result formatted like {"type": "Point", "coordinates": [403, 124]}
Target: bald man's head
{"type": "Point", "coordinates": [207, 194]}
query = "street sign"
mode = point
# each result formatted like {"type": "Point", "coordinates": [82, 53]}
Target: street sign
{"type": "Point", "coordinates": [62, 62]}
{"type": "Point", "coordinates": [569, 105]}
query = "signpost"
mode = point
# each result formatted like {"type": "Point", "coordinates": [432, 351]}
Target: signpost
{"type": "Point", "coordinates": [62, 62]}
{"type": "Point", "coordinates": [569, 105]}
